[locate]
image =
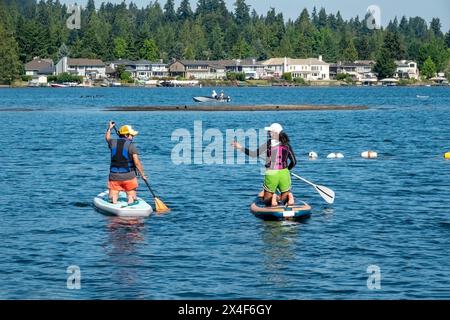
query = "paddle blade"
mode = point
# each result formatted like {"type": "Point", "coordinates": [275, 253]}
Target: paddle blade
{"type": "Point", "coordinates": [161, 206]}
{"type": "Point", "coordinates": [326, 193]}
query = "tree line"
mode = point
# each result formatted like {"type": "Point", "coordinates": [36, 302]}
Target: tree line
{"type": "Point", "coordinates": [30, 28]}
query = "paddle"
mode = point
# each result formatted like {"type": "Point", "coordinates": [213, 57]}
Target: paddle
{"type": "Point", "coordinates": [326, 193]}
{"type": "Point", "coordinates": [159, 205]}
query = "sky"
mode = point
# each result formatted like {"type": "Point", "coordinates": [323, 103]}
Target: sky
{"type": "Point", "coordinates": [348, 8]}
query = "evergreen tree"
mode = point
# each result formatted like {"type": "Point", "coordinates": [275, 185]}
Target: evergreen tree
{"type": "Point", "coordinates": [385, 66]}
{"type": "Point", "coordinates": [447, 39]}
{"type": "Point", "coordinates": [242, 12]}
{"type": "Point", "coordinates": [350, 53]}
{"type": "Point", "coordinates": [120, 48]}
{"type": "Point", "coordinates": [10, 66]}
{"type": "Point", "coordinates": [435, 27]}
{"type": "Point", "coordinates": [149, 50]}
{"type": "Point", "coordinates": [184, 11]}
{"type": "Point", "coordinates": [169, 11]}
{"type": "Point", "coordinates": [428, 69]}
{"type": "Point", "coordinates": [394, 45]}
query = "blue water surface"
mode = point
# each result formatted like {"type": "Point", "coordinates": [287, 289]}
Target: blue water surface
{"type": "Point", "coordinates": [392, 212]}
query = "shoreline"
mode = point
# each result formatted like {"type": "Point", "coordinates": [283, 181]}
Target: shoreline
{"type": "Point", "coordinates": [212, 108]}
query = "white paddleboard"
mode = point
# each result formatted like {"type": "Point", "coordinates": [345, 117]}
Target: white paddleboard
{"type": "Point", "coordinates": [121, 208]}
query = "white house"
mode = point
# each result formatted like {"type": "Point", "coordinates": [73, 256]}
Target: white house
{"type": "Point", "coordinates": [142, 69]}
{"type": "Point", "coordinates": [406, 70]}
{"type": "Point", "coordinates": [308, 69]}
{"type": "Point", "coordinates": [87, 68]}
{"type": "Point", "coordinates": [252, 68]}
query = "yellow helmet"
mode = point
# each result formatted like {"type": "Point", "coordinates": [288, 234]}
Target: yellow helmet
{"type": "Point", "coordinates": [124, 130]}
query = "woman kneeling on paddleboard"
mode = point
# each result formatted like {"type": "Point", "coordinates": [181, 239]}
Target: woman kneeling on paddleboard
{"type": "Point", "coordinates": [124, 162]}
{"type": "Point", "coordinates": [277, 176]}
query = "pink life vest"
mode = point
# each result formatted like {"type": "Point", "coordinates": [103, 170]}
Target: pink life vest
{"type": "Point", "coordinates": [277, 157]}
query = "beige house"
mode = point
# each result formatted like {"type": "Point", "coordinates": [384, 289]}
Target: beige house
{"type": "Point", "coordinates": [39, 69]}
{"type": "Point", "coordinates": [308, 69]}
{"type": "Point", "coordinates": [197, 69]}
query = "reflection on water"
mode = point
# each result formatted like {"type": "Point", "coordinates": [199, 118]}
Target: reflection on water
{"type": "Point", "coordinates": [279, 239]}
{"type": "Point", "coordinates": [124, 235]}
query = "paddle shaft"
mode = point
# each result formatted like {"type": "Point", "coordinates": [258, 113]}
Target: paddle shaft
{"type": "Point", "coordinates": [303, 179]}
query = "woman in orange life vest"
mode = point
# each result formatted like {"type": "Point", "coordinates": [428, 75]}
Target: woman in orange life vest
{"type": "Point", "coordinates": [124, 163]}
{"type": "Point", "coordinates": [277, 175]}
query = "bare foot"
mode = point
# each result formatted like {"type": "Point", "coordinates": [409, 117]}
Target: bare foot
{"type": "Point", "coordinates": [291, 200]}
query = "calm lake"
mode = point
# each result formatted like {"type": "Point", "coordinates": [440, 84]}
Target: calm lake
{"type": "Point", "coordinates": [392, 212]}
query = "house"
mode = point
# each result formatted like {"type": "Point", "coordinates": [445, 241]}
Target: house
{"type": "Point", "coordinates": [197, 69]}
{"type": "Point", "coordinates": [309, 69]}
{"type": "Point", "coordinates": [275, 67]}
{"type": "Point", "coordinates": [39, 66]}
{"type": "Point", "coordinates": [39, 69]}
{"type": "Point", "coordinates": [406, 69]}
{"type": "Point", "coordinates": [142, 69]}
{"type": "Point", "coordinates": [87, 68]}
{"type": "Point", "coordinates": [251, 68]}
{"type": "Point", "coordinates": [360, 70]}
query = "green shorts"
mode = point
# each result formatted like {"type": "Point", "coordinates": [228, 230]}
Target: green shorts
{"type": "Point", "coordinates": [277, 179]}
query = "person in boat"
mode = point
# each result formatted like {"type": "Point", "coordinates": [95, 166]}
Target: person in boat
{"type": "Point", "coordinates": [124, 163]}
{"type": "Point", "coordinates": [278, 153]}
{"type": "Point", "coordinates": [222, 95]}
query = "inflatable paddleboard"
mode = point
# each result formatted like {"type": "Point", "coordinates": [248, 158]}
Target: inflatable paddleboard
{"type": "Point", "coordinates": [298, 211]}
{"type": "Point", "coordinates": [121, 208]}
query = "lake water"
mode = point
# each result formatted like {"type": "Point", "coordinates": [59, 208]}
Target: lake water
{"type": "Point", "coordinates": [392, 212]}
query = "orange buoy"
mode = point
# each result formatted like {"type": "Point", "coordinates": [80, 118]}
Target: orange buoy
{"type": "Point", "coordinates": [369, 154]}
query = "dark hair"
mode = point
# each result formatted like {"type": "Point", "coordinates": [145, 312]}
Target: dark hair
{"type": "Point", "coordinates": [284, 139]}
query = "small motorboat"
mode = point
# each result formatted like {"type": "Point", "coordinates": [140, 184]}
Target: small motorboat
{"type": "Point", "coordinates": [58, 85]}
{"type": "Point", "coordinates": [212, 99]}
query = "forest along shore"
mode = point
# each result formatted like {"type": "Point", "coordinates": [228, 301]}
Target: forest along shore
{"type": "Point", "coordinates": [239, 108]}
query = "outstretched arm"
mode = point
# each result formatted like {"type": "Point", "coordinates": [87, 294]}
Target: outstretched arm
{"type": "Point", "coordinates": [260, 151]}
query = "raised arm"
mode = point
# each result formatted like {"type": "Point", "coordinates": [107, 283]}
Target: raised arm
{"type": "Point", "coordinates": [108, 132]}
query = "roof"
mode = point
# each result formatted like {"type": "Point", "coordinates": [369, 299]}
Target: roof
{"type": "Point", "coordinates": [195, 62]}
{"type": "Point", "coordinates": [43, 66]}
{"type": "Point", "coordinates": [290, 61]}
{"type": "Point", "coordinates": [85, 62]}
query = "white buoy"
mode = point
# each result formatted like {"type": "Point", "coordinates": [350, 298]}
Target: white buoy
{"type": "Point", "coordinates": [369, 154]}
{"type": "Point", "coordinates": [312, 155]}
{"type": "Point", "coordinates": [334, 155]}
